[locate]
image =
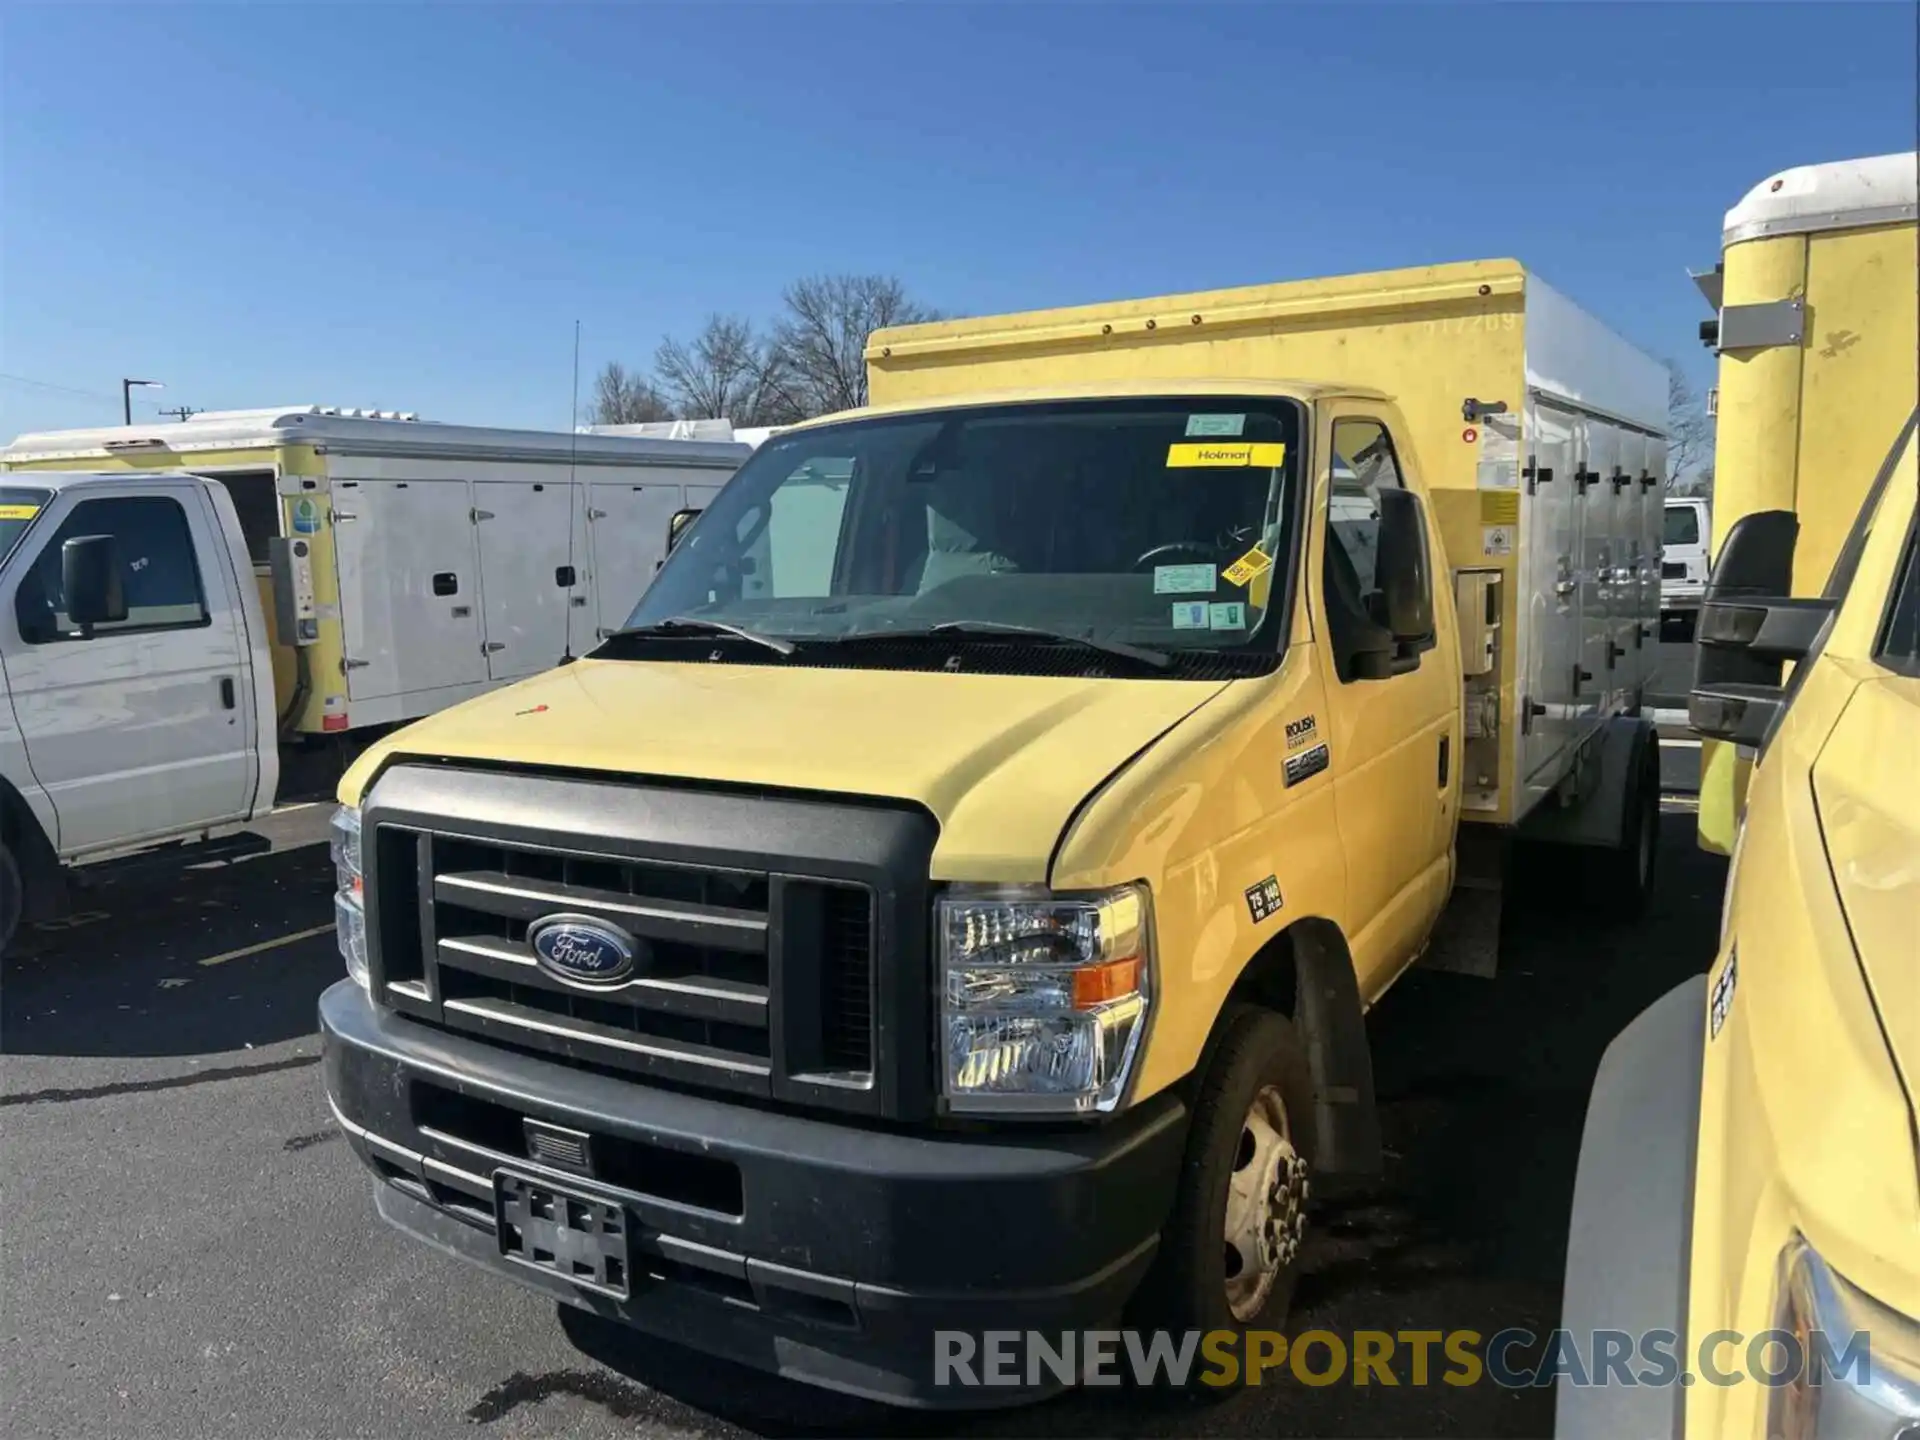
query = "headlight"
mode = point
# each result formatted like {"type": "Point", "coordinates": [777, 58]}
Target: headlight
{"type": "Point", "coordinates": [349, 899]}
{"type": "Point", "coordinates": [1044, 998]}
{"type": "Point", "coordinates": [1859, 1362]}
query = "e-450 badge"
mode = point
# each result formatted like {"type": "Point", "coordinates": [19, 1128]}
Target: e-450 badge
{"type": "Point", "coordinates": [1307, 764]}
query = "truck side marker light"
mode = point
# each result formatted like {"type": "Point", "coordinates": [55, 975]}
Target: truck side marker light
{"type": "Point", "coordinates": [1096, 984]}
{"type": "Point", "coordinates": [1263, 900]}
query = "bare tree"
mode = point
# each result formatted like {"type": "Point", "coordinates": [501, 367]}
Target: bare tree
{"type": "Point", "coordinates": [726, 372]}
{"type": "Point", "coordinates": [1689, 433]}
{"type": "Point", "coordinates": [821, 341]}
{"type": "Point", "coordinates": [623, 399]}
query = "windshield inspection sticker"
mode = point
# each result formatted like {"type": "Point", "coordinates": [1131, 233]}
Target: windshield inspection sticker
{"type": "Point", "coordinates": [1184, 579]}
{"type": "Point", "coordinates": [1216, 424]}
{"type": "Point", "coordinates": [1255, 562]}
{"type": "Point", "coordinates": [1263, 899]}
{"type": "Point", "coordinates": [1230, 615]}
{"type": "Point", "coordinates": [18, 512]}
{"type": "Point", "coordinates": [1307, 764]}
{"type": "Point", "coordinates": [1224, 457]}
{"type": "Point", "coordinates": [1190, 615]}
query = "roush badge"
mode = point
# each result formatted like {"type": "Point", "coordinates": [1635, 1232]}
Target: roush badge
{"type": "Point", "coordinates": [582, 950]}
{"type": "Point", "coordinates": [1307, 764]}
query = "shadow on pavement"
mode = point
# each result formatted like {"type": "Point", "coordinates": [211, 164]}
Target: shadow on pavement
{"type": "Point", "coordinates": [146, 965]}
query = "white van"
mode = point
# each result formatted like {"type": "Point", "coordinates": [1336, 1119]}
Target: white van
{"type": "Point", "coordinates": [1684, 560]}
{"type": "Point", "coordinates": [136, 688]}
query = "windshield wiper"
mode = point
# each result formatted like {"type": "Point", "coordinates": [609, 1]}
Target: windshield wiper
{"type": "Point", "coordinates": [693, 625]}
{"type": "Point", "coordinates": [1157, 659]}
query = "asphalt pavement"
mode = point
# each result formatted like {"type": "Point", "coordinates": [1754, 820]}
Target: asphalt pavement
{"type": "Point", "coordinates": [187, 1249]}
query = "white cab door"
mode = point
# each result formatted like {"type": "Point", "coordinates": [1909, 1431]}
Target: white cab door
{"type": "Point", "coordinates": [142, 730]}
{"type": "Point", "coordinates": [1550, 583]}
{"type": "Point", "coordinates": [409, 586]}
{"type": "Point", "coordinates": [525, 589]}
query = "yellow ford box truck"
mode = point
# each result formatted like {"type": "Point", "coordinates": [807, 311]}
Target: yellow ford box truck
{"type": "Point", "coordinates": [951, 902]}
{"type": "Point", "coordinates": [1815, 326]}
{"type": "Point", "coordinates": [1746, 1217]}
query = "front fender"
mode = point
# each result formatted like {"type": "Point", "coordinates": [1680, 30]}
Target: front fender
{"type": "Point", "coordinates": [1628, 1245]}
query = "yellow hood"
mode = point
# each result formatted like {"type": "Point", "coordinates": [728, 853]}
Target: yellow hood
{"type": "Point", "coordinates": [1001, 760]}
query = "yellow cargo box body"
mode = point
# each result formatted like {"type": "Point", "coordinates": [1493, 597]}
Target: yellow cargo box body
{"type": "Point", "coordinates": [1819, 367]}
{"type": "Point", "coordinates": [1538, 432]}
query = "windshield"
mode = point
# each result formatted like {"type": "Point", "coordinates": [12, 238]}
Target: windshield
{"type": "Point", "coordinates": [1683, 525]}
{"type": "Point", "coordinates": [1162, 523]}
{"type": "Point", "coordinates": [17, 509]}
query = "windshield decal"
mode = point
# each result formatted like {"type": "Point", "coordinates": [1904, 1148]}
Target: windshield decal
{"type": "Point", "coordinates": [1185, 579]}
{"type": "Point", "coordinates": [1216, 425]}
{"type": "Point", "coordinates": [1226, 457]}
{"type": "Point", "coordinates": [1255, 562]}
{"type": "Point", "coordinates": [1231, 615]}
{"type": "Point", "coordinates": [1191, 615]}
{"type": "Point", "coordinates": [18, 512]}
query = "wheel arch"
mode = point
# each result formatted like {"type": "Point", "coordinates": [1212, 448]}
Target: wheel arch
{"type": "Point", "coordinates": [1306, 973]}
{"type": "Point", "coordinates": [40, 874]}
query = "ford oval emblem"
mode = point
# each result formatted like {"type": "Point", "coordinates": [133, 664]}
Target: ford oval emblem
{"type": "Point", "coordinates": [583, 950]}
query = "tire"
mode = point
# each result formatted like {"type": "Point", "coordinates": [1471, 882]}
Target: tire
{"type": "Point", "coordinates": [12, 897]}
{"type": "Point", "coordinates": [1201, 1280]}
{"type": "Point", "coordinates": [1620, 879]}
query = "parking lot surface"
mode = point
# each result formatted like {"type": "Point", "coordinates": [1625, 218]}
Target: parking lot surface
{"type": "Point", "coordinates": [189, 1249]}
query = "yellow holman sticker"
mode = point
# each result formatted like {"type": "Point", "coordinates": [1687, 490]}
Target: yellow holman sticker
{"type": "Point", "coordinates": [1499, 507]}
{"type": "Point", "coordinates": [18, 512]}
{"type": "Point", "coordinates": [1204, 456]}
{"type": "Point", "coordinates": [1255, 562]}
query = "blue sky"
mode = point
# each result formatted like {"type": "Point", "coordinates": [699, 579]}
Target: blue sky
{"type": "Point", "coordinates": [409, 206]}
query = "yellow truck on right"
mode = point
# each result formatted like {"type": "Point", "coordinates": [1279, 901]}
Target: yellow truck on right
{"type": "Point", "coordinates": [1746, 1213]}
{"type": "Point", "coordinates": [1814, 324]}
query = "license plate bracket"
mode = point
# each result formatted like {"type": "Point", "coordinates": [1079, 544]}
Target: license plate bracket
{"type": "Point", "coordinates": [578, 1236]}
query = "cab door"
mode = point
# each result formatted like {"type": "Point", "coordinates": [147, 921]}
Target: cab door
{"type": "Point", "coordinates": [142, 729]}
{"type": "Point", "coordinates": [1393, 742]}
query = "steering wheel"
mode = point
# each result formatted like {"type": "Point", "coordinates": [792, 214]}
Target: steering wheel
{"type": "Point", "coordinates": [1179, 547]}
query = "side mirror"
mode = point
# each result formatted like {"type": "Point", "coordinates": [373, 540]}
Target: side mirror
{"type": "Point", "coordinates": [1748, 628]}
{"type": "Point", "coordinates": [677, 524]}
{"type": "Point", "coordinates": [90, 586]}
{"type": "Point", "coordinates": [1406, 587]}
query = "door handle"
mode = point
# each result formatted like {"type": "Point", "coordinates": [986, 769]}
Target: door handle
{"type": "Point", "coordinates": [1446, 742]}
{"type": "Point", "coordinates": [227, 696]}
{"type": "Point", "coordinates": [492, 645]}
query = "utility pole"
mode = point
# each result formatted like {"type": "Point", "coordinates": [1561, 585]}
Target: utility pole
{"type": "Point", "coordinates": [182, 412]}
{"type": "Point", "coordinates": [126, 396]}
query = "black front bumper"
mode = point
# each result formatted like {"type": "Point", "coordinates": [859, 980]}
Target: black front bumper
{"type": "Point", "coordinates": [825, 1252]}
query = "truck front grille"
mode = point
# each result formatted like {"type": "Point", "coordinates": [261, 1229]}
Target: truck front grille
{"type": "Point", "coordinates": [720, 947]}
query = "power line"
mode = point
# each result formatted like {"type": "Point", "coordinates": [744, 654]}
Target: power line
{"type": "Point", "coordinates": [182, 412]}
{"type": "Point", "coordinates": [49, 385]}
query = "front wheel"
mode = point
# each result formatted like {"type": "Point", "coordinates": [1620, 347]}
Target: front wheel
{"type": "Point", "coordinates": [1230, 1255]}
{"type": "Point", "coordinates": [12, 897]}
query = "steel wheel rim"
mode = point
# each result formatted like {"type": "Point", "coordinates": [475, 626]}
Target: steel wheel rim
{"type": "Point", "coordinates": [1266, 1205]}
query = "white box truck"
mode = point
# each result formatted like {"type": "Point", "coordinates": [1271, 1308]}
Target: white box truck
{"type": "Point", "coordinates": [407, 565]}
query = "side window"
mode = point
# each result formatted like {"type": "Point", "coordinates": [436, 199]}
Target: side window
{"type": "Point", "coordinates": [1363, 465]}
{"type": "Point", "coordinates": [1899, 647]}
{"type": "Point", "coordinates": [158, 573]}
